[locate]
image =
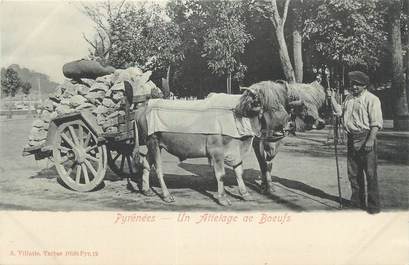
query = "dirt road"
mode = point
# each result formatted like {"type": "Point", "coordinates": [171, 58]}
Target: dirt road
{"type": "Point", "coordinates": [304, 178]}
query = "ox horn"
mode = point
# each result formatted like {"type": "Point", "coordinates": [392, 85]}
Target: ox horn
{"type": "Point", "coordinates": [296, 103]}
{"type": "Point", "coordinates": [251, 90]}
{"type": "Point", "coordinates": [284, 83]}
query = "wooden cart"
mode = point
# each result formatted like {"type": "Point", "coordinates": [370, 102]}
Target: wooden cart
{"type": "Point", "coordinates": [81, 151]}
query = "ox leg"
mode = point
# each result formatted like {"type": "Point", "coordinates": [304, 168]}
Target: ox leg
{"type": "Point", "coordinates": [216, 153]}
{"type": "Point", "coordinates": [219, 172]}
{"type": "Point", "coordinates": [270, 151]}
{"type": "Point", "coordinates": [233, 151]}
{"type": "Point", "coordinates": [265, 168]}
{"type": "Point", "coordinates": [155, 153]}
{"type": "Point", "coordinates": [145, 187]}
{"type": "Point", "coordinates": [245, 195]}
{"type": "Point", "coordinates": [269, 189]}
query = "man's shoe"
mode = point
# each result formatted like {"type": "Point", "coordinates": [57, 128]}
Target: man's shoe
{"type": "Point", "coordinates": [373, 210]}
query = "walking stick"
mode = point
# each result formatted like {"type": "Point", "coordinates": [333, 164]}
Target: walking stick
{"type": "Point", "coordinates": [336, 124]}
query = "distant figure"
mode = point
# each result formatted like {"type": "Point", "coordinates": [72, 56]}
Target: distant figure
{"type": "Point", "coordinates": [340, 137]}
{"type": "Point", "coordinates": [362, 118]}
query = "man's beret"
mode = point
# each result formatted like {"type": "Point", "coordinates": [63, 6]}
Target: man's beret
{"type": "Point", "coordinates": [358, 77]}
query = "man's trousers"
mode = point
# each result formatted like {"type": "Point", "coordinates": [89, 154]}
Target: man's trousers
{"type": "Point", "coordinates": [361, 164]}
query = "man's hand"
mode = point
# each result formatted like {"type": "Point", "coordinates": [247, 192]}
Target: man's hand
{"type": "Point", "coordinates": [336, 108]}
{"type": "Point", "coordinates": [329, 92]}
{"type": "Point", "coordinates": [368, 146]}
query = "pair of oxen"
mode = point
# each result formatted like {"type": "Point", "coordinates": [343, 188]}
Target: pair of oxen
{"type": "Point", "coordinates": [278, 106]}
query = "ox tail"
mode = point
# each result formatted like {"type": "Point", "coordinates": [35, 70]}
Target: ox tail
{"type": "Point", "coordinates": [135, 152]}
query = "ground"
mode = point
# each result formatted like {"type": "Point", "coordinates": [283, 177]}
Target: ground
{"type": "Point", "coordinates": [304, 172]}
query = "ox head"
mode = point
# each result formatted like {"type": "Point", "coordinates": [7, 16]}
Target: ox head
{"type": "Point", "coordinates": [273, 117]}
{"type": "Point", "coordinates": [250, 104]}
{"type": "Point", "coordinates": [304, 116]}
{"type": "Point", "coordinates": [275, 123]}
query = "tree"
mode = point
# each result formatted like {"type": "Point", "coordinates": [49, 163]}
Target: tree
{"type": "Point", "coordinates": [270, 10]}
{"type": "Point", "coordinates": [345, 33]}
{"type": "Point", "coordinates": [278, 23]}
{"type": "Point", "coordinates": [11, 82]}
{"type": "Point", "coordinates": [102, 14]}
{"type": "Point", "coordinates": [398, 81]}
{"type": "Point", "coordinates": [297, 23]}
{"type": "Point", "coordinates": [26, 87]}
{"type": "Point", "coordinates": [195, 20]}
{"type": "Point", "coordinates": [225, 41]}
{"type": "Point", "coordinates": [134, 34]}
{"type": "Point", "coordinates": [406, 9]}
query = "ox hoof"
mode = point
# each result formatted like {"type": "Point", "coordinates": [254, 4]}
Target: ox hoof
{"type": "Point", "coordinates": [169, 199]}
{"type": "Point", "coordinates": [148, 193]}
{"type": "Point", "coordinates": [246, 196]}
{"type": "Point", "coordinates": [267, 190]}
{"type": "Point", "coordinates": [222, 200]}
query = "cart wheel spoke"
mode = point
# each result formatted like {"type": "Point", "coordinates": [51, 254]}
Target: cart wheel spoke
{"type": "Point", "coordinates": [64, 149]}
{"type": "Point", "coordinates": [81, 135]}
{"type": "Point", "coordinates": [90, 148]}
{"type": "Point", "coordinates": [116, 157]}
{"type": "Point", "coordinates": [91, 168]}
{"type": "Point", "coordinates": [85, 171]}
{"type": "Point", "coordinates": [90, 157]}
{"type": "Point", "coordinates": [65, 160]}
{"type": "Point", "coordinates": [122, 163]}
{"type": "Point", "coordinates": [67, 140]}
{"type": "Point", "coordinates": [69, 171]}
{"type": "Point", "coordinates": [120, 159]}
{"type": "Point", "coordinates": [128, 158]}
{"type": "Point", "coordinates": [78, 175]}
{"type": "Point", "coordinates": [73, 135]}
{"type": "Point", "coordinates": [86, 142]}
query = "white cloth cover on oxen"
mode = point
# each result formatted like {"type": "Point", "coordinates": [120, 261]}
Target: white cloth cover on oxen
{"type": "Point", "coordinates": [213, 115]}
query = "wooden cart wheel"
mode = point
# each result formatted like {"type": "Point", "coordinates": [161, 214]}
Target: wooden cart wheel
{"type": "Point", "coordinates": [120, 159]}
{"type": "Point", "coordinates": [79, 159]}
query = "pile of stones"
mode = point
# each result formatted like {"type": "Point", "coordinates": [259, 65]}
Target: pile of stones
{"type": "Point", "coordinates": [103, 97]}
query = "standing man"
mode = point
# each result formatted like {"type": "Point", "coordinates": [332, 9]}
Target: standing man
{"type": "Point", "coordinates": [362, 118]}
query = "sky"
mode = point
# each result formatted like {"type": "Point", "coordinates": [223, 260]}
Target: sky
{"type": "Point", "coordinates": [43, 35]}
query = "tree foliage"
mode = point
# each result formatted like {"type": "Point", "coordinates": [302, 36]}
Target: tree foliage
{"type": "Point", "coordinates": [214, 39]}
{"type": "Point", "coordinates": [101, 14]}
{"type": "Point", "coordinates": [225, 40]}
{"type": "Point", "coordinates": [10, 82]}
{"type": "Point", "coordinates": [350, 30]}
{"type": "Point", "coordinates": [26, 87]}
{"type": "Point", "coordinates": [206, 40]}
{"type": "Point", "coordinates": [134, 33]}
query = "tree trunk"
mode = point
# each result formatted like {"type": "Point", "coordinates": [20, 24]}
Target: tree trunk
{"type": "Point", "coordinates": [297, 42]}
{"type": "Point", "coordinates": [407, 55]}
{"type": "Point", "coordinates": [298, 62]}
{"type": "Point", "coordinates": [228, 82]}
{"type": "Point", "coordinates": [278, 23]}
{"type": "Point", "coordinates": [309, 71]}
{"type": "Point", "coordinates": [284, 57]}
{"type": "Point", "coordinates": [398, 81]}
